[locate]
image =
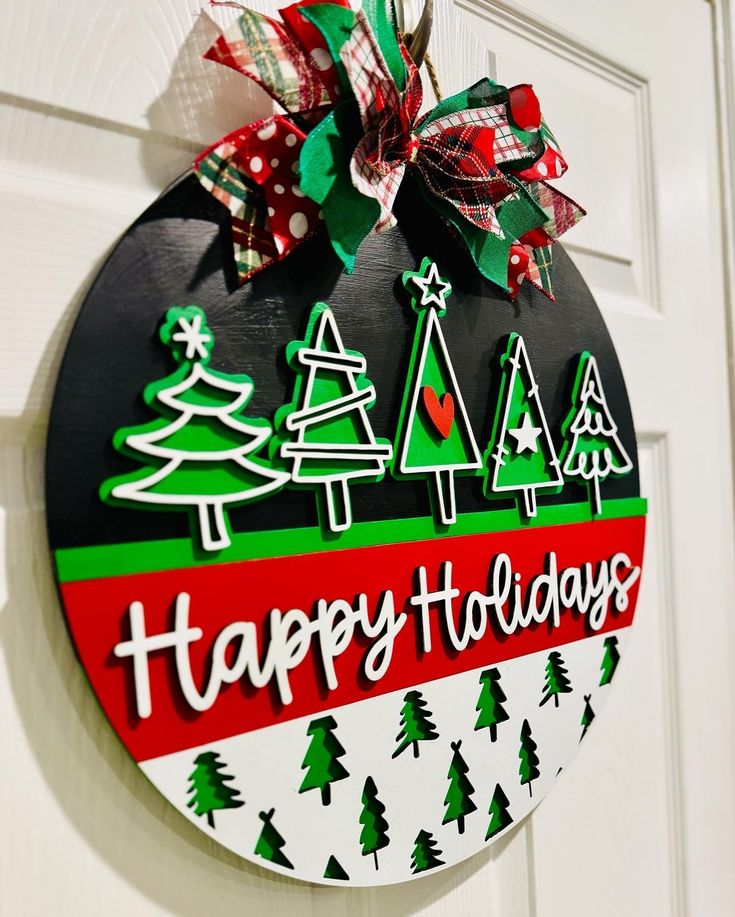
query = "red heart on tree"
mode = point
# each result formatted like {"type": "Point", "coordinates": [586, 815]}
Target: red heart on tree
{"type": "Point", "coordinates": [440, 410]}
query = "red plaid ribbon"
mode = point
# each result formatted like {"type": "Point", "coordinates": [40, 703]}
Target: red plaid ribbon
{"type": "Point", "coordinates": [456, 155]}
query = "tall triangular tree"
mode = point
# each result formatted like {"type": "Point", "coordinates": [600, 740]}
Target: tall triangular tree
{"type": "Point", "coordinates": [458, 800]}
{"type": "Point", "coordinates": [529, 769]}
{"type": "Point", "coordinates": [520, 458]}
{"type": "Point", "coordinates": [490, 703]}
{"type": "Point", "coordinates": [610, 660]}
{"type": "Point", "coordinates": [374, 834]}
{"type": "Point", "coordinates": [500, 817]}
{"type": "Point", "coordinates": [196, 454]}
{"type": "Point", "coordinates": [556, 680]}
{"type": "Point", "coordinates": [426, 853]}
{"type": "Point", "coordinates": [588, 714]}
{"type": "Point", "coordinates": [434, 437]}
{"type": "Point", "coordinates": [270, 844]}
{"type": "Point", "coordinates": [325, 432]}
{"type": "Point", "coordinates": [209, 787]}
{"type": "Point", "coordinates": [416, 725]}
{"type": "Point", "coordinates": [592, 449]}
{"type": "Point", "coordinates": [321, 761]}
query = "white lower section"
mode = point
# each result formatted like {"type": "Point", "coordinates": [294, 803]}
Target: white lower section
{"type": "Point", "coordinates": [266, 766]}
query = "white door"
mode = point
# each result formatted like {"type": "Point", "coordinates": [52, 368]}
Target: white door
{"type": "Point", "coordinates": [102, 104]}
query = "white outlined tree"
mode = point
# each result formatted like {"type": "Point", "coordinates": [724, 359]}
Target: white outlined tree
{"type": "Point", "coordinates": [592, 448]}
{"type": "Point", "coordinates": [196, 455]}
{"type": "Point", "coordinates": [434, 439]}
{"type": "Point", "coordinates": [325, 430]}
{"type": "Point", "coordinates": [520, 457]}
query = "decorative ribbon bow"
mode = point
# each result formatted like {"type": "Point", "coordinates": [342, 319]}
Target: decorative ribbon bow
{"type": "Point", "coordinates": [353, 132]}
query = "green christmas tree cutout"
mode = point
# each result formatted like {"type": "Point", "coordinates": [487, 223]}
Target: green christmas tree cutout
{"type": "Point", "coordinates": [500, 817]}
{"type": "Point", "coordinates": [321, 762]}
{"type": "Point", "coordinates": [325, 432]}
{"type": "Point", "coordinates": [588, 714]}
{"type": "Point", "coordinates": [434, 437]}
{"type": "Point", "coordinates": [426, 853]}
{"type": "Point", "coordinates": [374, 834]}
{"type": "Point", "coordinates": [416, 725]}
{"type": "Point", "coordinates": [520, 458]}
{"type": "Point", "coordinates": [610, 660]}
{"type": "Point", "coordinates": [556, 681]}
{"type": "Point", "coordinates": [209, 787]}
{"type": "Point", "coordinates": [458, 800]}
{"type": "Point", "coordinates": [490, 703]}
{"type": "Point", "coordinates": [270, 844]}
{"type": "Point", "coordinates": [529, 768]}
{"type": "Point", "coordinates": [334, 870]}
{"type": "Point", "coordinates": [198, 456]}
{"type": "Point", "coordinates": [592, 449]}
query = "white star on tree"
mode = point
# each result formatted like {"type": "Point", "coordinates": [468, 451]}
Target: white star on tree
{"type": "Point", "coordinates": [434, 289]}
{"type": "Point", "coordinates": [192, 335]}
{"type": "Point", "coordinates": [526, 435]}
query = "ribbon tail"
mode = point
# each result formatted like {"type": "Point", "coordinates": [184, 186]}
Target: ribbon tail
{"type": "Point", "coordinates": [218, 173]}
{"type": "Point", "coordinates": [325, 177]}
{"type": "Point", "coordinates": [251, 172]}
{"type": "Point", "coordinates": [260, 48]}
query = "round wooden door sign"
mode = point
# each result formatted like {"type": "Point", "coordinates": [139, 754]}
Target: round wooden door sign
{"type": "Point", "coordinates": [349, 560]}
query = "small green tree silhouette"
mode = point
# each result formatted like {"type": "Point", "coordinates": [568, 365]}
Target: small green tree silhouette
{"type": "Point", "coordinates": [610, 660]}
{"type": "Point", "coordinates": [426, 853]}
{"type": "Point", "coordinates": [490, 703]}
{"type": "Point", "coordinates": [270, 843]}
{"type": "Point", "coordinates": [334, 870]}
{"type": "Point", "coordinates": [458, 799]}
{"type": "Point", "coordinates": [209, 789]}
{"type": "Point", "coordinates": [588, 714]}
{"type": "Point", "coordinates": [529, 759]}
{"type": "Point", "coordinates": [499, 815]}
{"type": "Point", "coordinates": [321, 761]}
{"type": "Point", "coordinates": [374, 834]}
{"type": "Point", "coordinates": [416, 725]}
{"type": "Point", "coordinates": [556, 679]}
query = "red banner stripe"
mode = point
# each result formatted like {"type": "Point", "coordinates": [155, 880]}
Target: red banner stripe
{"type": "Point", "coordinates": [99, 615]}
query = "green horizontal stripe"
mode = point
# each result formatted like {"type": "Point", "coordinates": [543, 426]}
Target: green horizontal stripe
{"type": "Point", "coordinates": [147, 556]}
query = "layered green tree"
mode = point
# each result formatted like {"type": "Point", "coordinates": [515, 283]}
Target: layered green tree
{"type": "Point", "coordinates": [374, 834]}
{"type": "Point", "coordinates": [270, 844]}
{"type": "Point", "coordinates": [592, 449]}
{"type": "Point", "coordinates": [520, 459]}
{"type": "Point", "coordinates": [416, 724]}
{"type": "Point", "coordinates": [500, 817]}
{"type": "Point", "coordinates": [529, 767]}
{"type": "Point", "coordinates": [610, 660]}
{"type": "Point", "coordinates": [434, 438]}
{"type": "Point", "coordinates": [490, 703]}
{"type": "Point", "coordinates": [325, 433]}
{"type": "Point", "coordinates": [321, 762]}
{"type": "Point", "coordinates": [209, 787]}
{"type": "Point", "coordinates": [197, 457]}
{"type": "Point", "coordinates": [556, 681]}
{"type": "Point", "coordinates": [458, 800]}
{"type": "Point", "coordinates": [426, 853]}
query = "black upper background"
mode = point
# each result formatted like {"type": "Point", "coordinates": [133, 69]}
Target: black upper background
{"type": "Point", "coordinates": [179, 252]}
